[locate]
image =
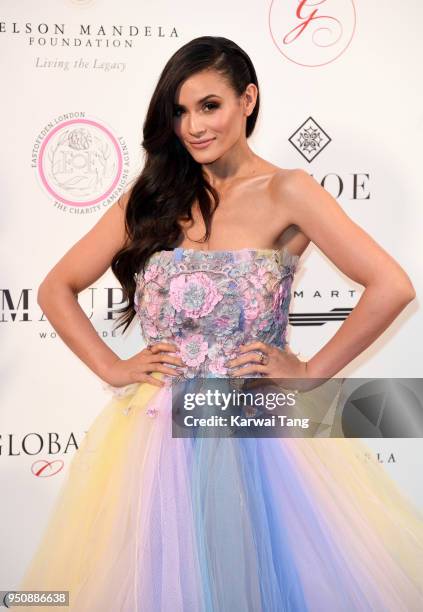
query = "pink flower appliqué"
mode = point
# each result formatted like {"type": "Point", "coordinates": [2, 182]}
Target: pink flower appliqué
{"type": "Point", "coordinates": [151, 272]}
{"type": "Point", "coordinates": [253, 305]}
{"type": "Point", "coordinates": [195, 293]}
{"type": "Point", "coordinates": [217, 365]}
{"type": "Point", "coordinates": [258, 280]}
{"type": "Point", "coordinates": [152, 305]}
{"type": "Point", "coordinates": [149, 328]}
{"type": "Point", "coordinates": [194, 350]}
{"type": "Point", "coordinates": [152, 411]}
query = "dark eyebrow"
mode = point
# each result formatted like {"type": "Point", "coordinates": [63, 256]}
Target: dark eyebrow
{"type": "Point", "coordinates": [200, 101]}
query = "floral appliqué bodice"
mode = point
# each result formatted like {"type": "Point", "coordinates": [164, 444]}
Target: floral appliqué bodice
{"type": "Point", "coordinates": [207, 303]}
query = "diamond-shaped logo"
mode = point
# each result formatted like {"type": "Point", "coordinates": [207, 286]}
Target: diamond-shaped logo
{"type": "Point", "coordinates": [309, 139]}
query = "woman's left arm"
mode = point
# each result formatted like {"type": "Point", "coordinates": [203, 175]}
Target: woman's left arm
{"type": "Point", "coordinates": [388, 289]}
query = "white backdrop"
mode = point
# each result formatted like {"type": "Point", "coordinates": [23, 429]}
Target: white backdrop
{"type": "Point", "coordinates": [77, 78]}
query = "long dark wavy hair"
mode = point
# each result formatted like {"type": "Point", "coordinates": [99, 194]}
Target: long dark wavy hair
{"type": "Point", "coordinates": [171, 180]}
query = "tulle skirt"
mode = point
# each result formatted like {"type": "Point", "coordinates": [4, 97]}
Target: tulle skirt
{"type": "Point", "coordinates": [147, 522]}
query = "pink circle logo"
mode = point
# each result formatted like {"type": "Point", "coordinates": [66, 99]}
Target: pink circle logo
{"type": "Point", "coordinates": [312, 33]}
{"type": "Point", "coordinates": [80, 162]}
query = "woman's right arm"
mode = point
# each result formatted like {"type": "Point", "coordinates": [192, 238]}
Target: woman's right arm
{"type": "Point", "coordinates": [83, 264]}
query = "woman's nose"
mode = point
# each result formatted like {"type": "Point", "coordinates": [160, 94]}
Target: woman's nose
{"type": "Point", "coordinates": [194, 126]}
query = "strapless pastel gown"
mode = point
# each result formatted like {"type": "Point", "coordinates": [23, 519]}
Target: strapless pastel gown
{"type": "Point", "coordinates": [148, 522]}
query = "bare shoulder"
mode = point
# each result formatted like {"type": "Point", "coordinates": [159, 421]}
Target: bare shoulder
{"type": "Point", "coordinates": [301, 195]}
{"type": "Point", "coordinates": [292, 184]}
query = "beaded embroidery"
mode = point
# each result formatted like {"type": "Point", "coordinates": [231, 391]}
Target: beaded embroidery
{"type": "Point", "coordinates": [209, 302]}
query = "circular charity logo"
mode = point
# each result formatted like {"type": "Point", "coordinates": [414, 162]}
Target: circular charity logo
{"type": "Point", "coordinates": [80, 162]}
{"type": "Point", "coordinates": [312, 32]}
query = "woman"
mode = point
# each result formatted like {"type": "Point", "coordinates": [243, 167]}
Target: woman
{"type": "Point", "coordinates": [152, 521]}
